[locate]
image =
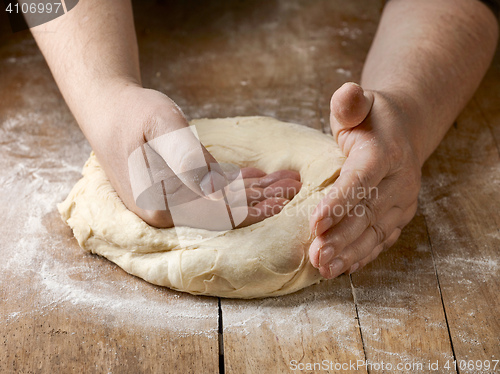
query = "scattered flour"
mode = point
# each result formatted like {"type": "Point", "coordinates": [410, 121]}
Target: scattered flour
{"type": "Point", "coordinates": [47, 271]}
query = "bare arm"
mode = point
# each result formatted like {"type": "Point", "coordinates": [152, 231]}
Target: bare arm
{"type": "Point", "coordinates": [427, 59]}
{"type": "Point", "coordinates": [92, 53]}
{"type": "Point", "coordinates": [433, 54]}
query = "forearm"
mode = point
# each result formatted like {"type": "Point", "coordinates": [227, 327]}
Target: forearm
{"type": "Point", "coordinates": [430, 56]}
{"type": "Point", "coordinates": [91, 50]}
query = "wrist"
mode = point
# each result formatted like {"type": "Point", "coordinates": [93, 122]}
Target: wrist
{"type": "Point", "coordinates": [412, 121]}
{"type": "Point", "coordinates": [94, 106]}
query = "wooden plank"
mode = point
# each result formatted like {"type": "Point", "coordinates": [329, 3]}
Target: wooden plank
{"type": "Point", "coordinates": [242, 59]}
{"type": "Point", "coordinates": [61, 309]}
{"type": "Point", "coordinates": [309, 331]}
{"type": "Point", "coordinates": [460, 202]}
{"type": "Point", "coordinates": [401, 316]}
{"type": "Point", "coordinates": [488, 96]}
{"type": "Point", "coordinates": [317, 326]}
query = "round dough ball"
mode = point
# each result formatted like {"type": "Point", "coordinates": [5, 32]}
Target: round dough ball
{"type": "Point", "coordinates": [268, 258]}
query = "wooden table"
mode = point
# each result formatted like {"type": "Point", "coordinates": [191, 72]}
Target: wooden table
{"type": "Point", "coordinates": [433, 298]}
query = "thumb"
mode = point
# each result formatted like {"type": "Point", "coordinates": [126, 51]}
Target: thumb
{"type": "Point", "coordinates": [349, 107]}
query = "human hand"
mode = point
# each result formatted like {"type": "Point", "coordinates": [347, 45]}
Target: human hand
{"type": "Point", "coordinates": [149, 122]}
{"type": "Point", "coordinates": [375, 195]}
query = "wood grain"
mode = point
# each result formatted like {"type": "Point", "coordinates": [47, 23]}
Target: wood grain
{"type": "Point", "coordinates": [461, 204]}
{"type": "Point", "coordinates": [401, 315]}
{"type": "Point", "coordinates": [315, 327]}
{"type": "Point", "coordinates": [75, 312]}
{"type": "Point", "coordinates": [434, 296]}
{"type": "Point", "coordinates": [487, 98]}
{"type": "Point", "coordinates": [63, 310]}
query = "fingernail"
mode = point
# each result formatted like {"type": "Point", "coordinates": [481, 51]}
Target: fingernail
{"type": "Point", "coordinates": [354, 268]}
{"type": "Point", "coordinates": [314, 248]}
{"type": "Point", "coordinates": [323, 225]}
{"type": "Point", "coordinates": [212, 182]}
{"type": "Point", "coordinates": [325, 255]}
{"type": "Point", "coordinates": [335, 267]}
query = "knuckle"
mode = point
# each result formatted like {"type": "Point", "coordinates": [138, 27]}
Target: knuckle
{"type": "Point", "coordinates": [158, 218]}
{"type": "Point", "coordinates": [191, 161]}
{"type": "Point", "coordinates": [352, 254]}
{"type": "Point", "coordinates": [362, 178]}
{"type": "Point", "coordinates": [359, 179]}
{"type": "Point", "coordinates": [380, 233]}
{"type": "Point", "coordinates": [371, 211]}
{"type": "Point", "coordinates": [337, 241]}
{"type": "Point", "coordinates": [151, 126]}
{"type": "Point", "coordinates": [350, 257]}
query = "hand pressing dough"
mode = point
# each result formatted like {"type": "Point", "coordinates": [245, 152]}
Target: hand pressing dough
{"type": "Point", "coordinates": [268, 258]}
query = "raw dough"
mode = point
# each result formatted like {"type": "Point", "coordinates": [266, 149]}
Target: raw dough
{"type": "Point", "coordinates": [269, 258]}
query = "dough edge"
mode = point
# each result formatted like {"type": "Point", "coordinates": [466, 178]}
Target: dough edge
{"type": "Point", "coordinates": [269, 258]}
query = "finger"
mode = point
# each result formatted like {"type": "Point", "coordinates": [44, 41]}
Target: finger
{"type": "Point", "coordinates": [252, 173]}
{"type": "Point", "coordinates": [232, 172]}
{"type": "Point", "coordinates": [358, 179]}
{"type": "Point", "coordinates": [365, 244]}
{"type": "Point", "coordinates": [263, 210]}
{"type": "Point", "coordinates": [278, 175]}
{"type": "Point", "coordinates": [377, 250]}
{"type": "Point", "coordinates": [363, 215]}
{"type": "Point", "coordinates": [265, 180]}
{"type": "Point", "coordinates": [285, 189]}
{"type": "Point", "coordinates": [349, 106]}
{"type": "Point", "coordinates": [324, 249]}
